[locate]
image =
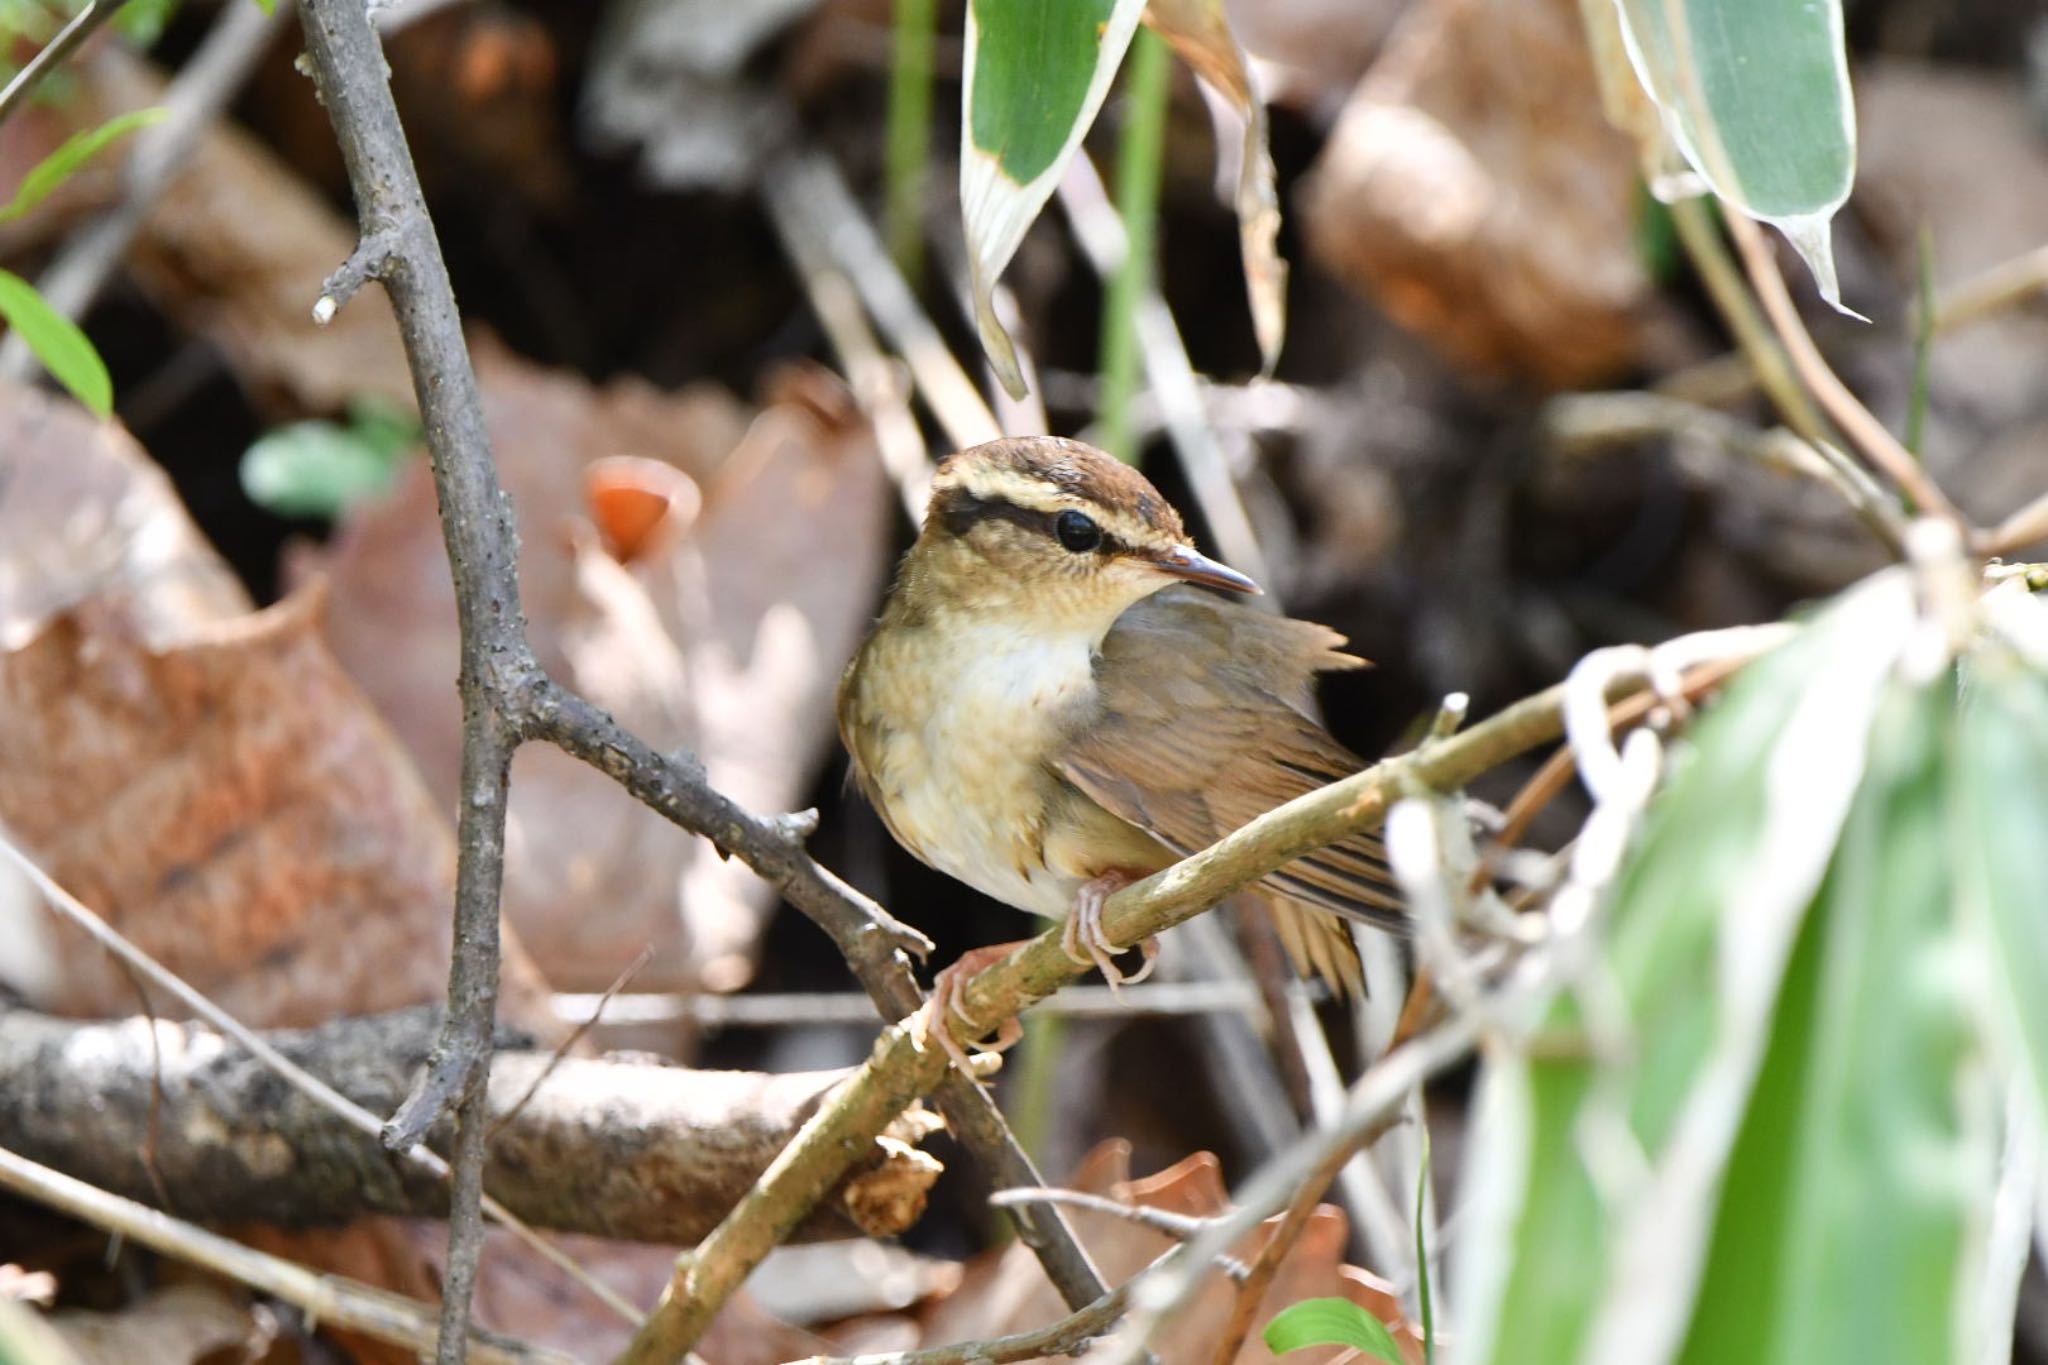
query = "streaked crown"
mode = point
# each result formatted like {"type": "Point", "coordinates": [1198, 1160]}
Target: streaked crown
{"type": "Point", "coordinates": [1029, 481]}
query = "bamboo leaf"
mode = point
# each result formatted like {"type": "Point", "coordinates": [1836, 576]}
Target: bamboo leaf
{"type": "Point", "coordinates": [1703, 918]}
{"type": "Point", "coordinates": [1864, 1161]}
{"type": "Point", "coordinates": [2000, 810]}
{"type": "Point", "coordinates": [1330, 1322]}
{"type": "Point", "coordinates": [1035, 77]}
{"type": "Point", "coordinates": [56, 341]}
{"type": "Point", "coordinates": [1755, 96]}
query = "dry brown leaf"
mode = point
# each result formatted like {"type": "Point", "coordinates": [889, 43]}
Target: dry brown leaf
{"type": "Point", "coordinates": [1199, 31]}
{"type": "Point", "coordinates": [1006, 1291]}
{"type": "Point", "coordinates": [723, 634]}
{"type": "Point", "coordinates": [177, 1326]}
{"type": "Point", "coordinates": [84, 514]}
{"type": "Point", "coordinates": [1475, 191]}
{"type": "Point", "coordinates": [232, 805]}
{"type": "Point", "coordinates": [523, 1296]}
{"type": "Point", "coordinates": [205, 777]}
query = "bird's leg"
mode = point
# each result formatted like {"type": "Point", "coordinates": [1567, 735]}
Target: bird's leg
{"type": "Point", "coordinates": [934, 1022]}
{"type": "Point", "coordinates": [1082, 934]}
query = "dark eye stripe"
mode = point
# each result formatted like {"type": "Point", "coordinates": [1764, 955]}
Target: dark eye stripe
{"type": "Point", "coordinates": [960, 511]}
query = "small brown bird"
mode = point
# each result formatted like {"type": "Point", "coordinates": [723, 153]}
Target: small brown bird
{"type": "Point", "coordinates": [1046, 712]}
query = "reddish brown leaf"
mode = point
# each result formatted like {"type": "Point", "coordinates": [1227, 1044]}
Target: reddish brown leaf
{"type": "Point", "coordinates": [726, 639]}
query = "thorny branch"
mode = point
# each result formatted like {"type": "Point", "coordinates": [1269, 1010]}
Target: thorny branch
{"type": "Point", "coordinates": [507, 699]}
{"type": "Point", "coordinates": [896, 1072]}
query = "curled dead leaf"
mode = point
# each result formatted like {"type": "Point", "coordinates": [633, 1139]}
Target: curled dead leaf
{"type": "Point", "coordinates": [1474, 189]}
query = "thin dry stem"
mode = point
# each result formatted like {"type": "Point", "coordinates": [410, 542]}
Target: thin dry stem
{"type": "Point", "coordinates": [323, 1298]}
{"type": "Point", "coordinates": [1878, 445]}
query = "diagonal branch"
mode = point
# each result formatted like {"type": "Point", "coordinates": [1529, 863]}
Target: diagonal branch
{"type": "Point", "coordinates": [507, 698]}
{"type": "Point", "coordinates": [896, 1072]}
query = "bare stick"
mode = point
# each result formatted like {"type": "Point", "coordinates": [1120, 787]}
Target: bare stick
{"type": "Point", "coordinates": [805, 189]}
{"type": "Point", "coordinates": [1179, 1226]}
{"type": "Point", "coordinates": [1251, 1291]}
{"type": "Point", "coordinates": [1878, 445]}
{"type": "Point", "coordinates": [323, 1298]}
{"type": "Point", "coordinates": [766, 1010]}
{"type": "Point", "coordinates": [873, 377]}
{"type": "Point", "coordinates": [1063, 1338]}
{"type": "Point", "coordinates": [68, 40]}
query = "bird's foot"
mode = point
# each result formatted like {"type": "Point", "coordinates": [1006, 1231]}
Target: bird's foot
{"type": "Point", "coordinates": [935, 1021]}
{"type": "Point", "coordinates": [1083, 937]}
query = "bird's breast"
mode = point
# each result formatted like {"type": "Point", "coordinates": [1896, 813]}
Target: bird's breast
{"type": "Point", "coordinates": [968, 719]}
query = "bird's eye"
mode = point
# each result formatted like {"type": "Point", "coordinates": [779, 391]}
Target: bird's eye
{"type": "Point", "coordinates": [1077, 531]}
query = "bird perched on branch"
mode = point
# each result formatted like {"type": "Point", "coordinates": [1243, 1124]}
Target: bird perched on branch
{"type": "Point", "coordinates": [1047, 711]}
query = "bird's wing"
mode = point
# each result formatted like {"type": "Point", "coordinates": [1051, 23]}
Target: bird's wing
{"type": "Point", "coordinates": [1203, 726]}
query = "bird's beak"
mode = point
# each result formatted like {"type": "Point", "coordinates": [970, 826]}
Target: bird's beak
{"type": "Point", "coordinates": [1184, 561]}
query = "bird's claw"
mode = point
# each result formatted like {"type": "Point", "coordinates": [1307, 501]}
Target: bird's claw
{"type": "Point", "coordinates": [1085, 942]}
{"type": "Point", "coordinates": [933, 1021]}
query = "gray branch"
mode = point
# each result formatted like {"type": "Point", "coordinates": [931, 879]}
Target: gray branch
{"type": "Point", "coordinates": [178, 1116]}
{"type": "Point", "coordinates": [507, 699]}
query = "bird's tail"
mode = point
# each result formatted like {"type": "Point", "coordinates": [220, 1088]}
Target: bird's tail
{"type": "Point", "coordinates": [1318, 942]}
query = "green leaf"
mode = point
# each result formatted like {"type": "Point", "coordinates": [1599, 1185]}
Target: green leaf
{"type": "Point", "coordinates": [1035, 77]}
{"type": "Point", "coordinates": [1755, 95]}
{"type": "Point", "coordinates": [142, 22]}
{"type": "Point", "coordinates": [320, 469]}
{"type": "Point", "coordinates": [59, 166]}
{"type": "Point", "coordinates": [1703, 917]}
{"type": "Point", "coordinates": [1330, 1322]}
{"type": "Point", "coordinates": [267, 6]}
{"type": "Point", "coordinates": [1864, 1161]}
{"type": "Point", "coordinates": [56, 341]}
{"type": "Point", "coordinates": [2000, 809]}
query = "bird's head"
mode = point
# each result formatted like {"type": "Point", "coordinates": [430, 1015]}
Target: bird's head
{"type": "Point", "coordinates": [1056, 530]}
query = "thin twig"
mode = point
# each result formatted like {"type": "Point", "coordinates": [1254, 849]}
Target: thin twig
{"type": "Point", "coordinates": [194, 100]}
{"type": "Point", "coordinates": [806, 189]}
{"type": "Point", "coordinates": [1179, 1226]}
{"type": "Point", "coordinates": [1066, 1337]}
{"type": "Point", "coordinates": [576, 1035]}
{"type": "Point", "coordinates": [1251, 1290]}
{"type": "Point", "coordinates": [68, 40]}
{"type": "Point", "coordinates": [351, 1113]}
{"type": "Point", "coordinates": [874, 378]}
{"type": "Point", "coordinates": [1374, 1102]}
{"type": "Point", "coordinates": [1991, 290]}
{"type": "Point", "coordinates": [897, 1072]}
{"type": "Point", "coordinates": [1878, 445]}
{"type": "Point", "coordinates": [329, 1299]}
{"type": "Point", "coordinates": [794, 1009]}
